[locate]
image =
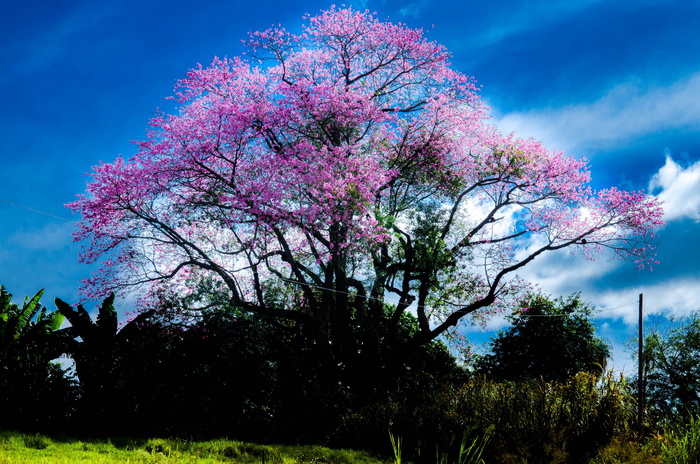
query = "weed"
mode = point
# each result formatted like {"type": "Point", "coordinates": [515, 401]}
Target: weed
{"type": "Point", "coordinates": [37, 442]}
{"type": "Point", "coordinates": [681, 445]}
{"type": "Point", "coordinates": [395, 447]}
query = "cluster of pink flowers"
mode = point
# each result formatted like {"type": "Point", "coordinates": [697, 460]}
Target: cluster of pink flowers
{"type": "Point", "coordinates": [326, 150]}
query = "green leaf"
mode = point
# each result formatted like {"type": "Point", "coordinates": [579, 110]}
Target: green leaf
{"type": "Point", "coordinates": [107, 317]}
{"type": "Point", "coordinates": [79, 319]}
{"type": "Point", "coordinates": [29, 310]}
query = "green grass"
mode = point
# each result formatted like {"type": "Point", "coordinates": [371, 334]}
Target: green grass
{"type": "Point", "coordinates": [17, 448]}
{"type": "Point", "coordinates": [681, 445]}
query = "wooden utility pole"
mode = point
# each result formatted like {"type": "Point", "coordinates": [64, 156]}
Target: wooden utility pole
{"type": "Point", "coordinates": [640, 373]}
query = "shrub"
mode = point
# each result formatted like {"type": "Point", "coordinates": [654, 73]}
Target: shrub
{"type": "Point", "coordinates": [681, 445]}
{"type": "Point", "coordinates": [546, 422]}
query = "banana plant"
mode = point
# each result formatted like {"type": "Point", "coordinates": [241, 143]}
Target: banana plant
{"type": "Point", "coordinates": [35, 391]}
{"type": "Point", "coordinates": [82, 324]}
{"type": "Point", "coordinates": [28, 325]}
{"type": "Point", "coordinates": [91, 344]}
{"type": "Point", "coordinates": [98, 338]}
{"type": "Point", "coordinates": [98, 349]}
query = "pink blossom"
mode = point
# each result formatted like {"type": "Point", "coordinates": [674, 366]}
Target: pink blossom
{"type": "Point", "coordinates": [352, 160]}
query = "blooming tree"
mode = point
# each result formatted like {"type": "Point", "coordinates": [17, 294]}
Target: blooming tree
{"type": "Point", "coordinates": [337, 170]}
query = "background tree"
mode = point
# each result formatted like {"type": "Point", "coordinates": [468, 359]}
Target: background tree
{"type": "Point", "coordinates": [350, 165]}
{"type": "Point", "coordinates": [550, 339]}
{"type": "Point", "coordinates": [672, 370]}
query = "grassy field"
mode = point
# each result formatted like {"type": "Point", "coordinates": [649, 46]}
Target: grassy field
{"type": "Point", "coordinates": [16, 448]}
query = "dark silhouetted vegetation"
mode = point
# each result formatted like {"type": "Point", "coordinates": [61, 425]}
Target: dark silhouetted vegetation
{"type": "Point", "coordinates": [35, 391]}
{"type": "Point", "coordinates": [224, 372]}
{"type": "Point", "coordinates": [549, 339]}
{"type": "Point", "coordinates": [672, 370]}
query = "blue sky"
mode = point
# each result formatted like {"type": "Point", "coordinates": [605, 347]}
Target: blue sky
{"type": "Point", "coordinates": [615, 81]}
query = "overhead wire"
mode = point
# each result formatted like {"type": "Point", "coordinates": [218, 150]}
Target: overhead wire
{"type": "Point", "coordinates": [17, 205]}
{"type": "Point", "coordinates": [292, 281]}
{"type": "Point", "coordinates": [34, 210]}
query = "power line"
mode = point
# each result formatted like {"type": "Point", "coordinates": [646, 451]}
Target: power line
{"type": "Point", "coordinates": [333, 290]}
{"type": "Point", "coordinates": [545, 315]}
{"type": "Point", "coordinates": [622, 306]}
{"type": "Point", "coordinates": [37, 211]}
{"type": "Point", "coordinates": [304, 283]}
{"type": "Point", "coordinates": [292, 281]}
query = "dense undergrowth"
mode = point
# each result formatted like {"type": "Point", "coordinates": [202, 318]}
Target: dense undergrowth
{"type": "Point", "coordinates": [229, 375]}
{"type": "Point", "coordinates": [584, 421]}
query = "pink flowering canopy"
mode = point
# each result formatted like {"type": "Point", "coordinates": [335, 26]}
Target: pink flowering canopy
{"type": "Point", "coordinates": [337, 170]}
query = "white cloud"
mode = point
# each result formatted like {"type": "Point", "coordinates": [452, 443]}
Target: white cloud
{"type": "Point", "coordinates": [564, 272]}
{"type": "Point", "coordinates": [492, 324]}
{"type": "Point", "coordinates": [679, 189]}
{"type": "Point", "coordinates": [678, 296]}
{"type": "Point", "coordinates": [622, 360]}
{"type": "Point", "coordinates": [561, 274]}
{"type": "Point", "coordinates": [628, 110]}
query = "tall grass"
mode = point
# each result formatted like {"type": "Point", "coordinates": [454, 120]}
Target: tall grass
{"type": "Point", "coordinates": [528, 422]}
{"type": "Point", "coordinates": [544, 422]}
{"type": "Point", "coordinates": [472, 454]}
{"type": "Point", "coordinates": [396, 447]}
{"type": "Point", "coordinates": [681, 445]}
{"type": "Point", "coordinates": [470, 451]}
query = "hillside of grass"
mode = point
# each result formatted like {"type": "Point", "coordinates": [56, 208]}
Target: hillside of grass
{"type": "Point", "coordinates": [18, 448]}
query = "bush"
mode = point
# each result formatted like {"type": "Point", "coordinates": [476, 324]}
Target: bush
{"type": "Point", "coordinates": [549, 339]}
{"type": "Point", "coordinates": [622, 450]}
{"type": "Point", "coordinates": [546, 422]}
{"type": "Point", "coordinates": [681, 445]}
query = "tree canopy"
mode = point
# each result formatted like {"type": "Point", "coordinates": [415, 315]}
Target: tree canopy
{"type": "Point", "coordinates": [672, 369]}
{"type": "Point", "coordinates": [550, 339]}
{"type": "Point", "coordinates": [334, 170]}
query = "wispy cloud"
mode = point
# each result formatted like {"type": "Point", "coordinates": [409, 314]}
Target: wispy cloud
{"type": "Point", "coordinates": [414, 9]}
{"type": "Point", "coordinates": [562, 272]}
{"type": "Point", "coordinates": [360, 4]}
{"type": "Point", "coordinates": [525, 16]}
{"type": "Point", "coordinates": [628, 110]}
{"type": "Point", "coordinates": [679, 189]}
{"type": "Point", "coordinates": [48, 44]}
{"type": "Point", "coordinates": [53, 236]}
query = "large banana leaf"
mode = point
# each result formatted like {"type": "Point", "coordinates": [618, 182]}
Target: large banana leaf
{"type": "Point", "coordinates": [81, 324]}
{"type": "Point", "coordinates": [15, 322]}
{"type": "Point", "coordinates": [27, 332]}
{"type": "Point", "coordinates": [30, 308]}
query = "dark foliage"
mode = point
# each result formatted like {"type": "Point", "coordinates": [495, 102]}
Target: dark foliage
{"type": "Point", "coordinates": [36, 393]}
{"type": "Point", "coordinates": [228, 372]}
{"type": "Point", "coordinates": [672, 371]}
{"type": "Point", "coordinates": [540, 422]}
{"type": "Point", "coordinates": [550, 339]}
